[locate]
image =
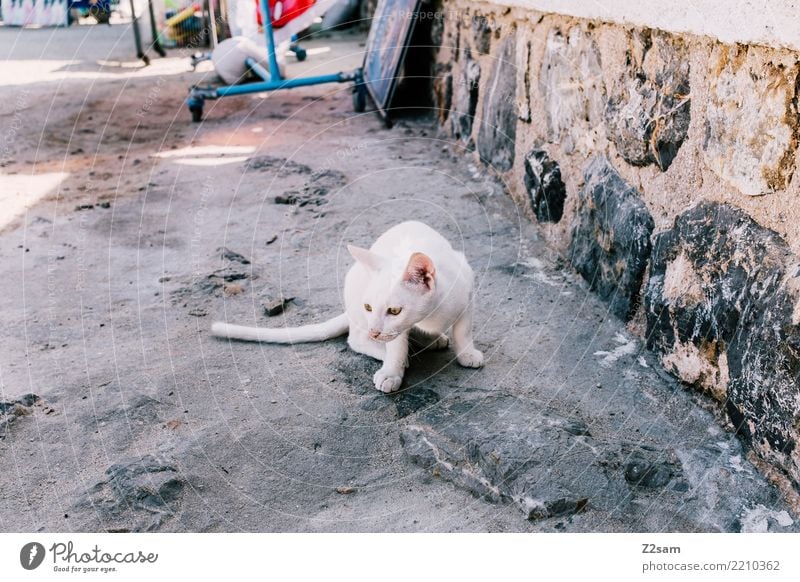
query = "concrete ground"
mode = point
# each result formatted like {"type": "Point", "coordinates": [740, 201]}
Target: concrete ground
{"type": "Point", "coordinates": [126, 230]}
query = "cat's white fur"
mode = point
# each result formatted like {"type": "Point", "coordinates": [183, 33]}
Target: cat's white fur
{"type": "Point", "coordinates": [411, 267]}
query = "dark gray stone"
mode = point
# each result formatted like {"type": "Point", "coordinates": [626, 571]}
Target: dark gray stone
{"type": "Point", "coordinates": [610, 243]}
{"type": "Point", "coordinates": [481, 34]}
{"type": "Point", "coordinates": [233, 256]}
{"type": "Point", "coordinates": [465, 98]}
{"type": "Point", "coordinates": [648, 111]}
{"type": "Point", "coordinates": [137, 410]}
{"type": "Point", "coordinates": [323, 181]}
{"type": "Point", "coordinates": [289, 198]}
{"type": "Point", "coordinates": [319, 185]}
{"type": "Point", "coordinates": [544, 185]}
{"type": "Point", "coordinates": [10, 411]}
{"type": "Point", "coordinates": [505, 449]}
{"type": "Point", "coordinates": [375, 402]}
{"type": "Point", "coordinates": [412, 400]}
{"type": "Point", "coordinates": [229, 275]}
{"type": "Point", "coordinates": [25, 401]}
{"type": "Point", "coordinates": [315, 190]}
{"type": "Point", "coordinates": [138, 493]}
{"type": "Point", "coordinates": [355, 371]}
{"type": "Point", "coordinates": [643, 473]}
{"type": "Point", "coordinates": [722, 298]}
{"type": "Point", "coordinates": [498, 131]}
{"type": "Point", "coordinates": [276, 306]}
{"type": "Point", "coordinates": [281, 166]}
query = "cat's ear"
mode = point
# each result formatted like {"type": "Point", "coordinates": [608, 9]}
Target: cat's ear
{"type": "Point", "coordinates": [420, 272]}
{"type": "Point", "coordinates": [367, 258]}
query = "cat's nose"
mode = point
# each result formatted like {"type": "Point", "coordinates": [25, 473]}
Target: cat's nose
{"type": "Point", "coordinates": [374, 333]}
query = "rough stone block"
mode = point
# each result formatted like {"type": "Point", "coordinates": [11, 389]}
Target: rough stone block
{"type": "Point", "coordinates": [498, 130]}
{"type": "Point", "coordinates": [505, 449]}
{"type": "Point", "coordinates": [544, 185]}
{"type": "Point", "coordinates": [465, 97]}
{"type": "Point", "coordinates": [610, 243]}
{"type": "Point", "coordinates": [571, 84]}
{"type": "Point", "coordinates": [443, 91]}
{"type": "Point", "coordinates": [481, 33]}
{"type": "Point", "coordinates": [517, 456]}
{"type": "Point", "coordinates": [723, 308]}
{"type": "Point", "coordinates": [648, 110]}
{"type": "Point", "coordinates": [751, 120]}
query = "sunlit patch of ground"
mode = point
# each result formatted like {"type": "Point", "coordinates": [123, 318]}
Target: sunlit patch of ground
{"type": "Point", "coordinates": [20, 192]}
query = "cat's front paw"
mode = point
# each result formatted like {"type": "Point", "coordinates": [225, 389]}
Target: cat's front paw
{"type": "Point", "coordinates": [471, 358]}
{"type": "Point", "coordinates": [387, 381]}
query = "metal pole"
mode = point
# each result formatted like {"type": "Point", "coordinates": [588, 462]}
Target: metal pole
{"type": "Point", "coordinates": [153, 32]}
{"type": "Point", "coordinates": [212, 23]}
{"type": "Point", "coordinates": [266, 18]}
{"type": "Point", "coordinates": [136, 36]}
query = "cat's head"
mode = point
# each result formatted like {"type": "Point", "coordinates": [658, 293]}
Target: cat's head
{"type": "Point", "coordinates": [399, 295]}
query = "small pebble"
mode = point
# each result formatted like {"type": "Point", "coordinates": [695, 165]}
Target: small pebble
{"type": "Point", "coordinates": [233, 289]}
{"type": "Point", "coordinates": [276, 306]}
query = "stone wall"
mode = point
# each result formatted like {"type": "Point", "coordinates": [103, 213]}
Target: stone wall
{"type": "Point", "coordinates": [663, 166]}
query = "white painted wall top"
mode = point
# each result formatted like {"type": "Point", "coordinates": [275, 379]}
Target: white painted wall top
{"type": "Point", "coordinates": [773, 23]}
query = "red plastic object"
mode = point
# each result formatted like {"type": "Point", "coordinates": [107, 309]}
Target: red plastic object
{"type": "Point", "coordinates": [283, 11]}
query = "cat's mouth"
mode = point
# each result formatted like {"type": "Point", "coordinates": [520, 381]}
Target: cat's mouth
{"type": "Point", "coordinates": [385, 337]}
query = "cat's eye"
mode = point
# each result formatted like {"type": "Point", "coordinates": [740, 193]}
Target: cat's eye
{"type": "Point", "coordinates": [368, 307]}
{"type": "Point", "coordinates": [394, 310]}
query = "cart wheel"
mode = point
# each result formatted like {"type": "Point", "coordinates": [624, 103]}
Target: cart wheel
{"type": "Point", "coordinates": [359, 98]}
{"type": "Point", "coordinates": [101, 16]}
{"type": "Point", "coordinates": [196, 108]}
{"type": "Point", "coordinates": [300, 53]}
{"type": "Point", "coordinates": [197, 114]}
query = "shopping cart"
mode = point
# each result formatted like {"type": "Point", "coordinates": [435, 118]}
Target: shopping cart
{"type": "Point", "coordinates": [272, 80]}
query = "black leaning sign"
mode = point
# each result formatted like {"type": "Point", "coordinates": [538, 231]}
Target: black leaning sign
{"type": "Point", "coordinates": [389, 35]}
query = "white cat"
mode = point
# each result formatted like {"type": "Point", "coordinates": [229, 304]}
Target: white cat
{"type": "Point", "coordinates": [411, 283]}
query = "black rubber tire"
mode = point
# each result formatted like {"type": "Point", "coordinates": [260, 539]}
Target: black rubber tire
{"type": "Point", "coordinates": [101, 16]}
{"type": "Point", "coordinates": [301, 54]}
{"type": "Point", "coordinates": [197, 113]}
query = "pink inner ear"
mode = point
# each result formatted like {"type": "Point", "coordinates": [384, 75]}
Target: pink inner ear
{"type": "Point", "coordinates": [420, 270]}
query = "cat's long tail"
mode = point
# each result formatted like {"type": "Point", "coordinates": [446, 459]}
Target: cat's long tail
{"type": "Point", "coordinates": [316, 332]}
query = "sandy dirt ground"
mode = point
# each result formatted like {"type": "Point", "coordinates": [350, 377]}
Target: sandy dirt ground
{"type": "Point", "coordinates": [127, 230]}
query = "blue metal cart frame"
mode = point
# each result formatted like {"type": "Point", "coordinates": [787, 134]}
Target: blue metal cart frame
{"type": "Point", "coordinates": [272, 80]}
